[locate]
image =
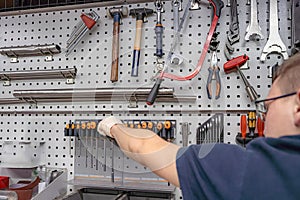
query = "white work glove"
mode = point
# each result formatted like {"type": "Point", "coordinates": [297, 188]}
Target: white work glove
{"type": "Point", "coordinates": [105, 125]}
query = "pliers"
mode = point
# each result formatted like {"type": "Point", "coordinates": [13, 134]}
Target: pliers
{"type": "Point", "coordinates": [214, 74]}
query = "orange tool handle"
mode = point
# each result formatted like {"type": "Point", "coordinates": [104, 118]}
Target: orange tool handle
{"type": "Point", "coordinates": [232, 64]}
{"type": "Point", "coordinates": [243, 126]}
{"type": "Point", "coordinates": [260, 127]}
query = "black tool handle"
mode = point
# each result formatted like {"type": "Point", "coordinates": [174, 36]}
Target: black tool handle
{"type": "Point", "coordinates": [154, 91]}
{"type": "Point", "coordinates": [218, 5]}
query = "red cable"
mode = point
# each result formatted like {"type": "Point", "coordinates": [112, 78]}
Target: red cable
{"type": "Point", "coordinates": [201, 59]}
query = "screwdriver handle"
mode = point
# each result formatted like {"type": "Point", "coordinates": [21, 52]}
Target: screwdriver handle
{"type": "Point", "coordinates": [243, 126]}
{"type": "Point", "coordinates": [260, 127]}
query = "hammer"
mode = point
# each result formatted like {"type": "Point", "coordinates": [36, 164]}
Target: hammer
{"type": "Point", "coordinates": [140, 14]}
{"type": "Point", "coordinates": [116, 13]}
{"type": "Point", "coordinates": [234, 65]}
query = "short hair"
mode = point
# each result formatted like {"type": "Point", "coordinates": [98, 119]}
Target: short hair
{"type": "Point", "coordinates": [288, 74]}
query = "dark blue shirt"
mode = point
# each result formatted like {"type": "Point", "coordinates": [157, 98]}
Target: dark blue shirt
{"type": "Point", "coordinates": [268, 168]}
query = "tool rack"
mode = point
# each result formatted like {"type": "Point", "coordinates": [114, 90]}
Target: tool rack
{"type": "Point", "coordinates": [43, 123]}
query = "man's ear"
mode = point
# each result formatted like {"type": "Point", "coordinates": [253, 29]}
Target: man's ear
{"type": "Point", "coordinates": [297, 110]}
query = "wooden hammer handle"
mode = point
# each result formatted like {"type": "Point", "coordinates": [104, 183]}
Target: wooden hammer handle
{"type": "Point", "coordinates": [115, 53]}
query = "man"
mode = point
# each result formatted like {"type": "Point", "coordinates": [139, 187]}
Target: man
{"type": "Point", "coordinates": [269, 168]}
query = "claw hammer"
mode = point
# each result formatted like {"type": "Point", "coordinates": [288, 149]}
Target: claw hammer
{"type": "Point", "coordinates": [116, 13]}
{"type": "Point", "coordinates": [140, 14]}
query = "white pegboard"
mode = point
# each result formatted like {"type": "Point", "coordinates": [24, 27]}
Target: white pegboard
{"type": "Point", "coordinates": [92, 58]}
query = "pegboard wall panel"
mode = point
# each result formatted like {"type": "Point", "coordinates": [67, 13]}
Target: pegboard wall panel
{"type": "Point", "coordinates": [40, 128]}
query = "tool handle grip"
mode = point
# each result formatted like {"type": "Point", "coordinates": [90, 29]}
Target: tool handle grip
{"type": "Point", "coordinates": [218, 80]}
{"type": "Point", "coordinates": [153, 93]}
{"type": "Point", "coordinates": [208, 84]}
{"type": "Point", "coordinates": [159, 33]}
{"type": "Point", "coordinates": [138, 34]}
{"type": "Point", "coordinates": [135, 63]}
{"type": "Point", "coordinates": [243, 126]}
{"type": "Point", "coordinates": [260, 127]}
{"type": "Point", "coordinates": [137, 47]}
{"type": "Point", "coordinates": [232, 64]}
{"type": "Point", "coordinates": [218, 5]}
{"type": "Point", "coordinates": [115, 52]}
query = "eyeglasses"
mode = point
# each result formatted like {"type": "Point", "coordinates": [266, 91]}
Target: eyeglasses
{"type": "Point", "coordinates": [261, 107]}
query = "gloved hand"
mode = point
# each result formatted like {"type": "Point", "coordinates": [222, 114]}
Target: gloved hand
{"type": "Point", "coordinates": [105, 125]}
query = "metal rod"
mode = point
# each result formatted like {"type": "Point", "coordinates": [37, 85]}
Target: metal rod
{"type": "Point", "coordinates": [38, 74]}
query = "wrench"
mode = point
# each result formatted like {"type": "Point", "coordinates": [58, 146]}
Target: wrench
{"type": "Point", "coordinates": [253, 30]}
{"type": "Point", "coordinates": [274, 43]}
{"type": "Point", "coordinates": [177, 4]}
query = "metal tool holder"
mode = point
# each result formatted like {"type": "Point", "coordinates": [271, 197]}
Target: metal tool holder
{"type": "Point", "coordinates": [45, 121]}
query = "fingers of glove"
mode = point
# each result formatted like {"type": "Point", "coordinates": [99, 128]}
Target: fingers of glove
{"type": "Point", "coordinates": [105, 125]}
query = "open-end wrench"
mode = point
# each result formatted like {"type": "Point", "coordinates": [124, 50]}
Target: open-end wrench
{"type": "Point", "coordinates": [177, 4]}
{"type": "Point", "coordinates": [253, 29]}
{"type": "Point", "coordinates": [274, 43]}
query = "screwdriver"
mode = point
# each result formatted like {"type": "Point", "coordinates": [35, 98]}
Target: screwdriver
{"type": "Point", "coordinates": [260, 127]}
{"type": "Point", "coordinates": [167, 127]}
{"type": "Point", "coordinates": [251, 123]}
{"type": "Point", "coordinates": [94, 135]}
{"type": "Point", "coordinates": [243, 126]}
{"type": "Point", "coordinates": [83, 128]}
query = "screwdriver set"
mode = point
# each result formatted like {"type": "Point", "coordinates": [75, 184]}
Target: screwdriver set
{"type": "Point", "coordinates": [164, 128]}
{"type": "Point", "coordinates": [253, 123]}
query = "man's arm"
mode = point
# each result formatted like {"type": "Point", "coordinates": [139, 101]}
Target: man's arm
{"type": "Point", "coordinates": [145, 147]}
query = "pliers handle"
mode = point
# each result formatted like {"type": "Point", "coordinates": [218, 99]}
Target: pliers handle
{"type": "Point", "coordinates": [214, 73]}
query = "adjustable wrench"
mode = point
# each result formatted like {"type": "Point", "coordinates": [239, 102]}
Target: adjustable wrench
{"type": "Point", "coordinates": [253, 30]}
{"type": "Point", "coordinates": [234, 32]}
{"type": "Point", "coordinates": [274, 43]}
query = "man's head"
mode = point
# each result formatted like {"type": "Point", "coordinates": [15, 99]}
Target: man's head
{"type": "Point", "coordinates": [283, 116]}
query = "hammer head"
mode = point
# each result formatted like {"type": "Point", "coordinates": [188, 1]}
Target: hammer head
{"type": "Point", "coordinates": [140, 13]}
{"type": "Point", "coordinates": [122, 11]}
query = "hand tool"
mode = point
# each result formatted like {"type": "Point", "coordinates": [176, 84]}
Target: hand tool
{"type": "Point", "coordinates": [260, 127]}
{"type": "Point", "coordinates": [185, 133]}
{"type": "Point", "coordinates": [243, 128]}
{"type": "Point", "coordinates": [213, 75]}
{"type": "Point", "coordinates": [251, 123]}
{"type": "Point", "coordinates": [233, 35]}
{"type": "Point", "coordinates": [104, 152]}
{"type": "Point", "coordinates": [117, 13]}
{"type": "Point", "coordinates": [89, 137]}
{"type": "Point", "coordinates": [112, 162]}
{"type": "Point", "coordinates": [88, 20]}
{"type": "Point", "coordinates": [274, 43]}
{"type": "Point", "coordinates": [159, 28]}
{"type": "Point", "coordinates": [253, 30]}
{"type": "Point", "coordinates": [93, 129]}
{"type": "Point", "coordinates": [217, 5]}
{"type": "Point", "coordinates": [85, 135]}
{"type": "Point", "coordinates": [212, 130]}
{"type": "Point", "coordinates": [30, 50]}
{"type": "Point", "coordinates": [214, 71]}
{"type": "Point", "coordinates": [176, 59]}
{"type": "Point", "coordinates": [77, 133]}
{"type": "Point", "coordinates": [295, 26]}
{"type": "Point", "coordinates": [140, 14]}
{"type": "Point", "coordinates": [234, 65]}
